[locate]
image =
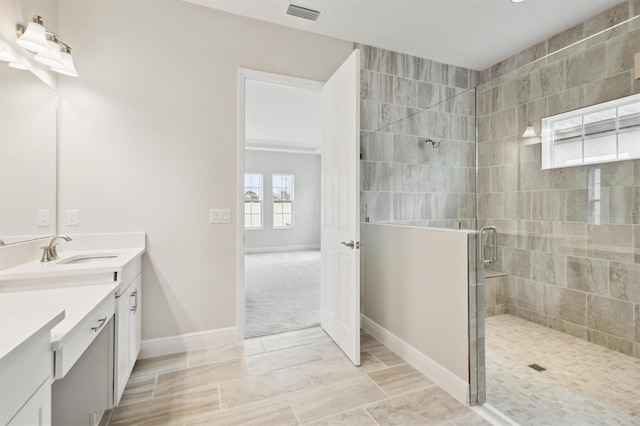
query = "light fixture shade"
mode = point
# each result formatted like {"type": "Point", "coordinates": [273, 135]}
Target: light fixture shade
{"type": "Point", "coordinates": [35, 37]}
{"type": "Point", "coordinates": [69, 68]}
{"type": "Point", "coordinates": [18, 65]}
{"type": "Point", "coordinates": [529, 132]}
{"type": "Point", "coordinates": [53, 58]}
{"type": "Point", "coordinates": [6, 56]}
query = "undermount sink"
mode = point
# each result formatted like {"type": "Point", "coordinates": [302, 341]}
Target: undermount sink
{"type": "Point", "coordinates": [93, 258]}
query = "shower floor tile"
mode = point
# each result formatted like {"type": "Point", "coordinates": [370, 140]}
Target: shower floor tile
{"type": "Point", "coordinates": [583, 384]}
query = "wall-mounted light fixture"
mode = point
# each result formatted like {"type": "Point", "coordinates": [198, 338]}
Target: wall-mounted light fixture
{"type": "Point", "coordinates": [6, 56]}
{"type": "Point", "coordinates": [529, 132]}
{"type": "Point", "coordinates": [49, 49]}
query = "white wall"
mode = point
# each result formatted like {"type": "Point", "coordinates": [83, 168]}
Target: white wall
{"type": "Point", "coordinates": [306, 171]}
{"type": "Point", "coordinates": [415, 286]}
{"type": "Point", "coordinates": [148, 139]}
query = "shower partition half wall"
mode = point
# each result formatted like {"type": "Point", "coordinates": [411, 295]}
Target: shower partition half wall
{"type": "Point", "coordinates": [418, 170]}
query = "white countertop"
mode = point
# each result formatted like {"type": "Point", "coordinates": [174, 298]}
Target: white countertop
{"type": "Point", "coordinates": [76, 302]}
{"type": "Point", "coordinates": [20, 322]}
{"type": "Point", "coordinates": [37, 269]}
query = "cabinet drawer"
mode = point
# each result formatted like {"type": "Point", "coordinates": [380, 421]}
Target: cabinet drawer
{"type": "Point", "coordinates": [79, 339]}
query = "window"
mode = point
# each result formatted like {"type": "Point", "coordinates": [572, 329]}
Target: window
{"type": "Point", "coordinates": [597, 134]}
{"type": "Point", "coordinates": [252, 201]}
{"type": "Point", "coordinates": [283, 201]}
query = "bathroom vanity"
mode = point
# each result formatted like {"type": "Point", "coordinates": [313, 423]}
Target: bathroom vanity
{"type": "Point", "coordinates": [71, 331]}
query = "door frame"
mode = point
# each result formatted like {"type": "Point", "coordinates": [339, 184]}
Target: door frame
{"type": "Point", "coordinates": [245, 74]}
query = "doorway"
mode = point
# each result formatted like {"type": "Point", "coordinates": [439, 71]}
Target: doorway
{"type": "Point", "coordinates": [339, 196]}
{"type": "Point", "coordinates": [283, 135]}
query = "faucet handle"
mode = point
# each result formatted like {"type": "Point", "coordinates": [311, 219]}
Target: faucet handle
{"type": "Point", "coordinates": [46, 255]}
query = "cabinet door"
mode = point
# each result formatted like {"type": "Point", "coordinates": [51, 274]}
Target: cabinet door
{"type": "Point", "coordinates": [122, 342]}
{"type": "Point", "coordinates": [37, 411]}
{"type": "Point", "coordinates": [135, 321]}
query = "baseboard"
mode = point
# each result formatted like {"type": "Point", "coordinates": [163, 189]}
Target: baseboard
{"type": "Point", "coordinates": [281, 249]}
{"type": "Point", "coordinates": [441, 376]}
{"type": "Point", "coordinates": [187, 342]}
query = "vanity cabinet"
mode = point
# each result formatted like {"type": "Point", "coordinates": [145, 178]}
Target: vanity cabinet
{"type": "Point", "coordinates": [128, 326]}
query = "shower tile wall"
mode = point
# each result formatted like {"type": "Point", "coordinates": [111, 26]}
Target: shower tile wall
{"type": "Point", "coordinates": [405, 99]}
{"type": "Point", "coordinates": [568, 268]}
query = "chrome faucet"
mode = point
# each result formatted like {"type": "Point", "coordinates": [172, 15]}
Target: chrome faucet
{"type": "Point", "coordinates": [50, 252]}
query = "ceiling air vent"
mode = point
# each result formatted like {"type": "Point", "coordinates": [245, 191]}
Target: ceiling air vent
{"type": "Point", "coordinates": [303, 12]}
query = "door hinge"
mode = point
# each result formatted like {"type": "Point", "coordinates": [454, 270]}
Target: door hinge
{"type": "Point", "coordinates": [361, 156]}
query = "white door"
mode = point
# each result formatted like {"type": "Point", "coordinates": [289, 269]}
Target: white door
{"type": "Point", "coordinates": [340, 277]}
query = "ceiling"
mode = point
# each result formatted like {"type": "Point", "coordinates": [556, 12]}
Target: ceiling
{"type": "Point", "coordinates": [282, 118]}
{"type": "Point", "coordinates": [469, 33]}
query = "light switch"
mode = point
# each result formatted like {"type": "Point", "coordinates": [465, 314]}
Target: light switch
{"type": "Point", "coordinates": [72, 217]}
{"type": "Point", "coordinates": [44, 217]}
{"type": "Point", "coordinates": [220, 216]}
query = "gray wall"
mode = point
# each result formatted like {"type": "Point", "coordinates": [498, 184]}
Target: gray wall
{"type": "Point", "coordinates": [564, 270]}
{"type": "Point", "coordinates": [306, 230]}
{"type": "Point", "coordinates": [404, 100]}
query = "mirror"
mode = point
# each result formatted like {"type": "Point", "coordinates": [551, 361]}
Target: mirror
{"type": "Point", "coordinates": [28, 119]}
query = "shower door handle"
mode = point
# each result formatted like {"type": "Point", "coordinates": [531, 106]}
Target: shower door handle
{"type": "Point", "coordinates": [481, 244]}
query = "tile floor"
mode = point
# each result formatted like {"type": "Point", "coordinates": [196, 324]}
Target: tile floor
{"type": "Point", "coordinates": [584, 384]}
{"type": "Point", "coordinates": [292, 378]}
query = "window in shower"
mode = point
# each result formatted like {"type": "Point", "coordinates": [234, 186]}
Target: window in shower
{"type": "Point", "coordinates": [600, 133]}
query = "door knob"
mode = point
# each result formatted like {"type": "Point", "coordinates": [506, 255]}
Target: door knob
{"type": "Point", "coordinates": [350, 244]}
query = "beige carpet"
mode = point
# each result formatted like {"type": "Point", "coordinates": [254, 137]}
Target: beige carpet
{"type": "Point", "coordinates": [282, 292]}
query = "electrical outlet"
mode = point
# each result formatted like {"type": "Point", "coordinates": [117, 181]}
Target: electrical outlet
{"type": "Point", "coordinates": [219, 216]}
{"type": "Point", "coordinates": [72, 217]}
{"type": "Point", "coordinates": [44, 217]}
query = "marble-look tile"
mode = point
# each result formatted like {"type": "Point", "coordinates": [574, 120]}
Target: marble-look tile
{"type": "Point", "coordinates": [568, 178]}
{"type": "Point", "coordinates": [568, 328]}
{"type": "Point", "coordinates": [198, 378]}
{"type": "Point", "coordinates": [611, 174]}
{"type": "Point", "coordinates": [531, 296]}
{"type": "Point", "coordinates": [161, 364]}
{"type": "Point", "coordinates": [565, 101]}
{"type": "Point", "coordinates": [613, 242]}
{"type": "Point", "coordinates": [332, 370]}
{"type": "Point", "coordinates": [400, 379]}
{"type": "Point", "coordinates": [263, 386]}
{"type": "Point", "coordinates": [586, 66]}
{"type": "Point", "coordinates": [503, 124]}
{"type": "Point", "coordinates": [173, 409]}
{"type": "Point", "coordinates": [568, 238]}
{"type": "Point", "coordinates": [327, 400]}
{"type": "Point", "coordinates": [225, 353]}
{"type": "Point", "coordinates": [376, 87]}
{"type": "Point", "coordinates": [624, 281]}
{"type": "Point", "coordinates": [606, 19]}
{"type": "Point", "coordinates": [636, 327]}
{"type": "Point", "coordinates": [385, 355]}
{"type": "Point", "coordinates": [281, 359]}
{"type": "Point", "coordinates": [369, 362]}
{"type": "Point", "coordinates": [516, 262]}
{"type": "Point", "coordinates": [566, 304]}
{"type": "Point", "coordinates": [428, 95]}
{"type": "Point", "coordinates": [610, 316]}
{"type": "Point", "coordinates": [532, 316]}
{"type": "Point", "coordinates": [470, 420]}
{"type": "Point", "coordinates": [367, 342]}
{"type": "Point", "coordinates": [566, 38]}
{"type": "Point", "coordinates": [548, 268]}
{"type": "Point", "coordinates": [271, 412]}
{"type": "Point", "coordinates": [378, 206]}
{"type": "Point", "coordinates": [589, 275]}
{"type": "Point", "coordinates": [611, 342]}
{"type": "Point", "coordinates": [578, 205]}
{"type": "Point", "coordinates": [405, 92]}
{"type": "Point", "coordinates": [429, 406]}
{"type": "Point", "coordinates": [138, 389]}
{"type": "Point", "coordinates": [357, 417]}
{"type": "Point", "coordinates": [548, 206]}
{"type": "Point", "coordinates": [608, 89]}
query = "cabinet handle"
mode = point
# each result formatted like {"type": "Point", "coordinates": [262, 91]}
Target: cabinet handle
{"type": "Point", "coordinates": [101, 322]}
{"type": "Point", "coordinates": [134, 308]}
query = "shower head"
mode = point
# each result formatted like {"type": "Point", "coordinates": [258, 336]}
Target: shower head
{"type": "Point", "coordinates": [434, 144]}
